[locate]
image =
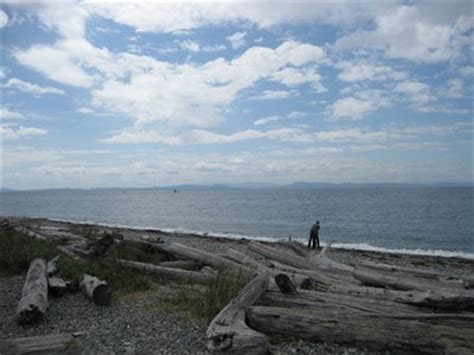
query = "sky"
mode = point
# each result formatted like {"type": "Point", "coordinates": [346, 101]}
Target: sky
{"type": "Point", "coordinates": [104, 94]}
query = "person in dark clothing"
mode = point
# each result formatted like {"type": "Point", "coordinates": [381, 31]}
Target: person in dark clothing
{"type": "Point", "coordinates": [314, 235]}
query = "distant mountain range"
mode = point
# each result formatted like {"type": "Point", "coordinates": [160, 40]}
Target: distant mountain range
{"type": "Point", "coordinates": [259, 185]}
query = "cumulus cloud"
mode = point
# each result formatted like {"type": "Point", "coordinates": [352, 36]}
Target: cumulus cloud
{"type": "Point", "coordinates": [237, 40]}
{"type": "Point", "coordinates": [11, 133]}
{"type": "Point", "coordinates": [9, 114]}
{"type": "Point", "coordinates": [3, 19]}
{"type": "Point", "coordinates": [272, 95]}
{"type": "Point", "coordinates": [358, 106]}
{"type": "Point", "coordinates": [418, 32]}
{"type": "Point", "coordinates": [32, 88]}
{"type": "Point", "coordinates": [418, 93]}
{"type": "Point", "coordinates": [265, 120]}
{"type": "Point", "coordinates": [297, 114]}
{"type": "Point", "coordinates": [190, 45]}
{"type": "Point", "coordinates": [354, 71]}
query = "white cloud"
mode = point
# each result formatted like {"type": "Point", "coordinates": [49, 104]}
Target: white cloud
{"type": "Point", "coordinates": [8, 114]}
{"type": "Point", "coordinates": [265, 120]}
{"type": "Point", "coordinates": [467, 71]}
{"type": "Point", "coordinates": [352, 135]}
{"type": "Point", "coordinates": [297, 114]}
{"type": "Point", "coordinates": [420, 33]}
{"type": "Point", "coordinates": [57, 64]}
{"type": "Point", "coordinates": [214, 48]}
{"type": "Point", "coordinates": [85, 110]}
{"type": "Point", "coordinates": [190, 45]}
{"type": "Point", "coordinates": [272, 95]}
{"type": "Point", "coordinates": [237, 40]}
{"type": "Point", "coordinates": [32, 88]}
{"type": "Point", "coordinates": [359, 105]}
{"type": "Point", "coordinates": [9, 133]}
{"type": "Point", "coordinates": [454, 89]}
{"type": "Point", "coordinates": [418, 93]}
{"type": "Point", "coordinates": [296, 76]}
{"type": "Point", "coordinates": [3, 19]}
{"type": "Point", "coordinates": [179, 17]}
{"type": "Point", "coordinates": [363, 71]}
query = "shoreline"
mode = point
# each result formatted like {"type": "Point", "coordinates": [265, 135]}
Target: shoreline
{"type": "Point", "coordinates": [219, 244]}
{"type": "Point", "coordinates": [350, 247]}
{"type": "Point", "coordinates": [130, 316]}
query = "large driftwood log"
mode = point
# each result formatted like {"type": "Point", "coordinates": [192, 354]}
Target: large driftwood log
{"type": "Point", "coordinates": [407, 282]}
{"type": "Point", "coordinates": [317, 262]}
{"type": "Point", "coordinates": [228, 331]}
{"type": "Point", "coordinates": [34, 297]}
{"type": "Point", "coordinates": [202, 278]}
{"type": "Point", "coordinates": [182, 264]}
{"type": "Point", "coordinates": [43, 344]}
{"type": "Point", "coordinates": [97, 290]}
{"type": "Point", "coordinates": [201, 256]}
{"type": "Point", "coordinates": [363, 330]}
{"type": "Point", "coordinates": [30, 233]}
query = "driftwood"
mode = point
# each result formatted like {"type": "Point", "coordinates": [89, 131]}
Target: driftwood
{"type": "Point", "coordinates": [30, 233]}
{"type": "Point", "coordinates": [101, 246]}
{"type": "Point", "coordinates": [34, 297]}
{"type": "Point", "coordinates": [43, 344]}
{"type": "Point", "coordinates": [97, 290]}
{"type": "Point", "coordinates": [51, 267]}
{"type": "Point", "coordinates": [171, 273]}
{"type": "Point", "coordinates": [182, 264]}
{"type": "Point", "coordinates": [404, 281]}
{"type": "Point", "coordinates": [284, 284]}
{"type": "Point", "coordinates": [228, 331]}
{"type": "Point", "coordinates": [57, 286]}
{"type": "Point", "coordinates": [201, 256]}
{"type": "Point", "coordinates": [367, 331]}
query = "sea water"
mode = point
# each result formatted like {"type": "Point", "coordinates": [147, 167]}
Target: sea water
{"type": "Point", "coordinates": [420, 220]}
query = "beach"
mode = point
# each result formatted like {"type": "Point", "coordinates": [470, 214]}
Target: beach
{"type": "Point", "coordinates": [133, 324]}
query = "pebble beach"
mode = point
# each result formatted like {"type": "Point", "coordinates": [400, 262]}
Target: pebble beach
{"type": "Point", "coordinates": [134, 325]}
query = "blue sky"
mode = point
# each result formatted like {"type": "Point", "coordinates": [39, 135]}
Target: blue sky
{"type": "Point", "coordinates": [133, 94]}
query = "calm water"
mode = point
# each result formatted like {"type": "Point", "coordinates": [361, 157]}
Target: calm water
{"type": "Point", "coordinates": [426, 220]}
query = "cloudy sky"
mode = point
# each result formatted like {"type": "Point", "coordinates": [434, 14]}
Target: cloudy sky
{"type": "Point", "coordinates": [103, 94]}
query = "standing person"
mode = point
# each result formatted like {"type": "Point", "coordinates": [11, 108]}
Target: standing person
{"type": "Point", "coordinates": [314, 235]}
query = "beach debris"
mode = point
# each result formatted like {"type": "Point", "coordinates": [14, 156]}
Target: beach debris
{"type": "Point", "coordinates": [51, 267]}
{"type": "Point", "coordinates": [57, 286]}
{"type": "Point", "coordinates": [228, 331]}
{"type": "Point", "coordinates": [34, 297]}
{"type": "Point", "coordinates": [182, 264]}
{"type": "Point", "coordinates": [97, 290]}
{"type": "Point", "coordinates": [170, 273]}
{"type": "Point", "coordinates": [64, 343]}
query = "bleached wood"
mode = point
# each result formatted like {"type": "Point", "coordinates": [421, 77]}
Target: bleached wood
{"type": "Point", "coordinates": [201, 256]}
{"type": "Point", "coordinates": [34, 296]}
{"type": "Point", "coordinates": [202, 278]}
{"type": "Point", "coordinates": [181, 264]}
{"type": "Point", "coordinates": [52, 267]}
{"type": "Point", "coordinates": [228, 331]}
{"type": "Point", "coordinates": [97, 290]}
{"type": "Point", "coordinates": [367, 331]}
{"type": "Point", "coordinates": [52, 344]}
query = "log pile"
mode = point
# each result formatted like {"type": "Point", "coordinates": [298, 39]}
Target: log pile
{"type": "Point", "coordinates": [372, 306]}
{"type": "Point", "coordinates": [293, 293]}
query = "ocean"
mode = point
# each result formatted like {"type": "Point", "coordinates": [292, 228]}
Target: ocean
{"type": "Point", "coordinates": [414, 220]}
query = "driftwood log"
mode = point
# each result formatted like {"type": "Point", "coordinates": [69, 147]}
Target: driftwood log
{"type": "Point", "coordinates": [34, 297]}
{"type": "Point", "coordinates": [57, 286]}
{"type": "Point", "coordinates": [228, 331]}
{"type": "Point", "coordinates": [43, 344]}
{"type": "Point", "coordinates": [354, 328]}
{"type": "Point", "coordinates": [202, 278]}
{"type": "Point", "coordinates": [97, 290]}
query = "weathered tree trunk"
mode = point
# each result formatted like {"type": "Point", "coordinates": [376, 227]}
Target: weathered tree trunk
{"type": "Point", "coordinates": [182, 264]}
{"type": "Point", "coordinates": [43, 344]}
{"type": "Point", "coordinates": [363, 330]}
{"type": "Point", "coordinates": [201, 256]}
{"type": "Point", "coordinates": [403, 281]}
{"type": "Point", "coordinates": [316, 263]}
{"type": "Point", "coordinates": [57, 286]}
{"type": "Point", "coordinates": [30, 233]}
{"type": "Point", "coordinates": [34, 297]}
{"type": "Point", "coordinates": [97, 290]}
{"type": "Point", "coordinates": [171, 273]}
{"type": "Point", "coordinates": [101, 246]}
{"type": "Point", "coordinates": [51, 266]}
{"type": "Point", "coordinates": [228, 331]}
